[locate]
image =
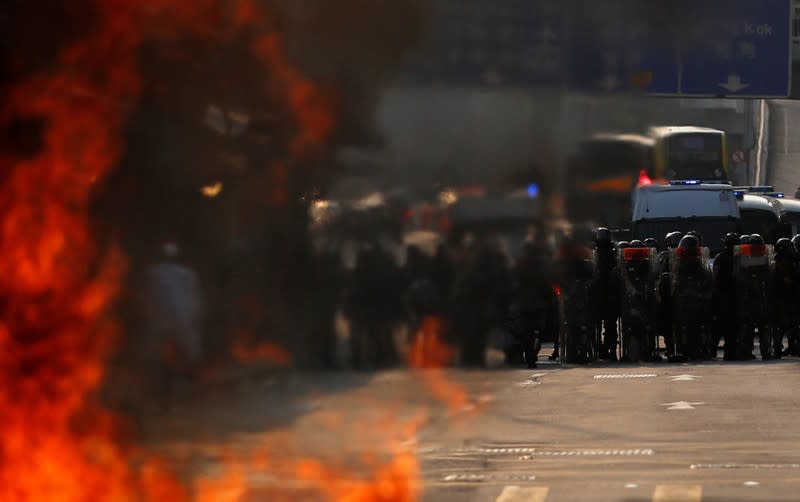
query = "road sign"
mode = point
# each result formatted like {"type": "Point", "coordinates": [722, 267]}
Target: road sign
{"type": "Point", "coordinates": [749, 54]}
{"type": "Point", "coordinates": [737, 48]}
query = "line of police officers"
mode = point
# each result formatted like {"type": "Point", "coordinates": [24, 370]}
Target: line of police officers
{"type": "Point", "coordinates": [673, 294]}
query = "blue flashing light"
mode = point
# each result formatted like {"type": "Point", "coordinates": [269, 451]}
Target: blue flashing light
{"type": "Point", "coordinates": [533, 190]}
{"type": "Point", "coordinates": [692, 182]}
{"type": "Point", "coordinates": [685, 182]}
{"type": "Point", "coordinates": [738, 194]}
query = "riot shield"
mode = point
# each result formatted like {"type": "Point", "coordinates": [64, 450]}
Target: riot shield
{"type": "Point", "coordinates": [638, 267]}
{"type": "Point", "coordinates": [691, 305]}
{"type": "Point", "coordinates": [753, 271]}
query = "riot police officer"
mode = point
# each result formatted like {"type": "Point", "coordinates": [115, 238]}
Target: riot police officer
{"type": "Point", "coordinates": [664, 287]}
{"type": "Point", "coordinates": [753, 288]}
{"type": "Point", "coordinates": [691, 298]}
{"type": "Point", "coordinates": [793, 335]}
{"type": "Point", "coordinates": [636, 265]}
{"type": "Point", "coordinates": [607, 293]}
{"type": "Point", "coordinates": [786, 295]}
{"type": "Point", "coordinates": [723, 299]}
{"type": "Point", "coordinates": [651, 243]}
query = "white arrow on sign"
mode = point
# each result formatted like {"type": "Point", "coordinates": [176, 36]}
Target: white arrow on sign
{"type": "Point", "coordinates": [684, 378]}
{"type": "Point", "coordinates": [734, 84]}
{"type": "Point", "coordinates": [681, 405]}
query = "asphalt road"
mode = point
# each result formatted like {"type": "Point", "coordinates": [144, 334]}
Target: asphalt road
{"type": "Point", "coordinates": [611, 432]}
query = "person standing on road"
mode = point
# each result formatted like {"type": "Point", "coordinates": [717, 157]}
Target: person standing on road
{"type": "Point", "coordinates": [172, 319]}
{"type": "Point", "coordinates": [785, 294]}
{"type": "Point", "coordinates": [373, 307]}
{"type": "Point", "coordinates": [664, 286]}
{"type": "Point", "coordinates": [607, 298]}
{"type": "Point", "coordinates": [723, 299]}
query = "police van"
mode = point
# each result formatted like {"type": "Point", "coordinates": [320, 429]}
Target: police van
{"type": "Point", "coordinates": [789, 214]}
{"type": "Point", "coordinates": [709, 209]}
{"type": "Point", "coordinates": [759, 216]}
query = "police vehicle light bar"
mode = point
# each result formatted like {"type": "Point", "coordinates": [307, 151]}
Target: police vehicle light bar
{"type": "Point", "coordinates": [757, 189]}
{"type": "Point", "coordinates": [684, 182]}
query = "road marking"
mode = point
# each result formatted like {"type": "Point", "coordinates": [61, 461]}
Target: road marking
{"type": "Point", "coordinates": [681, 405]}
{"type": "Point", "coordinates": [526, 494]}
{"type": "Point", "coordinates": [625, 375]}
{"type": "Point", "coordinates": [744, 466]}
{"type": "Point", "coordinates": [631, 486]}
{"type": "Point", "coordinates": [535, 452]}
{"type": "Point", "coordinates": [684, 378]}
{"type": "Point", "coordinates": [463, 477]}
{"type": "Point", "coordinates": [678, 493]}
{"type": "Point", "coordinates": [751, 483]}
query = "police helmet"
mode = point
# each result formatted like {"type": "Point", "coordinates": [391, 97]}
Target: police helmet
{"type": "Point", "coordinates": [674, 239]}
{"type": "Point", "coordinates": [636, 243]}
{"type": "Point", "coordinates": [651, 243]}
{"type": "Point", "coordinates": [745, 239]}
{"type": "Point", "coordinates": [784, 248]}
{"type": "Point", "coordinates": [689, 241]}
{"type": "Point", "coordinates": [731, 239]}
{"type": "Point", "coordinates": [623, 245]}
{"type": "Point", "coordinates": [796, 242]}
{"type": "Point", "coordinates": [756, 239]}
{"type": "Point", "coordinates": [696, 234]}
{"type": "Point", "coordinates": [602, 235]}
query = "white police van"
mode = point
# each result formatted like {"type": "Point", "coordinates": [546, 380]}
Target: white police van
{"type": "Point", "coordinates": [710, 209]}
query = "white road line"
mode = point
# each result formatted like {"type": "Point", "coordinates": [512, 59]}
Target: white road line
{"type": "Point", "coordinates": [523, 494]}
{"type": "Point", "coordinates": [744, 466]}
{"type": "Point", "coordinates": [536, 452]}
{"type": "Point", "coordinates": [621, 376]}
{"type": "Point", "coordinates": [678, 493]}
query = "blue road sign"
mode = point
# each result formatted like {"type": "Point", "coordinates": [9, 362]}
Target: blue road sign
{"type": "Point", "coordinates": [747, 54]}
{"type": "Point", "coordinates": [737, 48]}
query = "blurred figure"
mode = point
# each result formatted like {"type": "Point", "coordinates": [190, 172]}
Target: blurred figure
{"type": "Point", "coordinates": [329, 276]}
{"type": "Point", "coordinates": [787, 292]}
{"type": "Point", "coordinates": [421, 296]}
{"type": "Point", "coordinates": [664, 287]}
{"type": "Point", "coordinates": [753, 274]}
{"type": "Point", "coordinates": [481, 284]}
{"type": "Point", "coordinates": [691, 300]}
{"type": "Point", "coordinates": [443, 274]}
{"type": "Point", "coordinates": [723, 299]}
{"type": "Point", "coordinates": [576, 281]}
{"type": "Point", "coordinates": [530, 309]}
{"type": "Point", "coordinates": [607, 293]}
{"type": "Point", "coordinates": [173, 312]}
{"type": "Point", "coordinates": [373, 305]}
{"type": "Point", "coordinates": [793, 336]}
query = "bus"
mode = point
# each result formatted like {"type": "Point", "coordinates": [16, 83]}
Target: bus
{"type": "Point", "coordinates": [602, 175]}
{"type": "Point", "coordinates": [690, 153]}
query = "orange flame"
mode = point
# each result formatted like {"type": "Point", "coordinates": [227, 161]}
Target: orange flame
{"type": "Point", "coordinates": [395, 482]}
{"type": "Point", "coordinates": [58, 444]}
{"type": "Point", "coordinates": [429, 352]}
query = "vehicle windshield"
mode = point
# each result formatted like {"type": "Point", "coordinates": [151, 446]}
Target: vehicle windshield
{"type": "Point", "coordinates": [695, 156]}
{"type": "Point", "coordinates": [764, 223]}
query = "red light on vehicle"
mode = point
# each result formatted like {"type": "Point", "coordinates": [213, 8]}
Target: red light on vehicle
{"type": "Point", "coordinates": [557, 289]}
{"type": "Point", "coordinates": [754, 250]}
{"type": "Point", "coordinates": [644, 179]}
{"type": "Point", "coordinates": [636, 254]}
